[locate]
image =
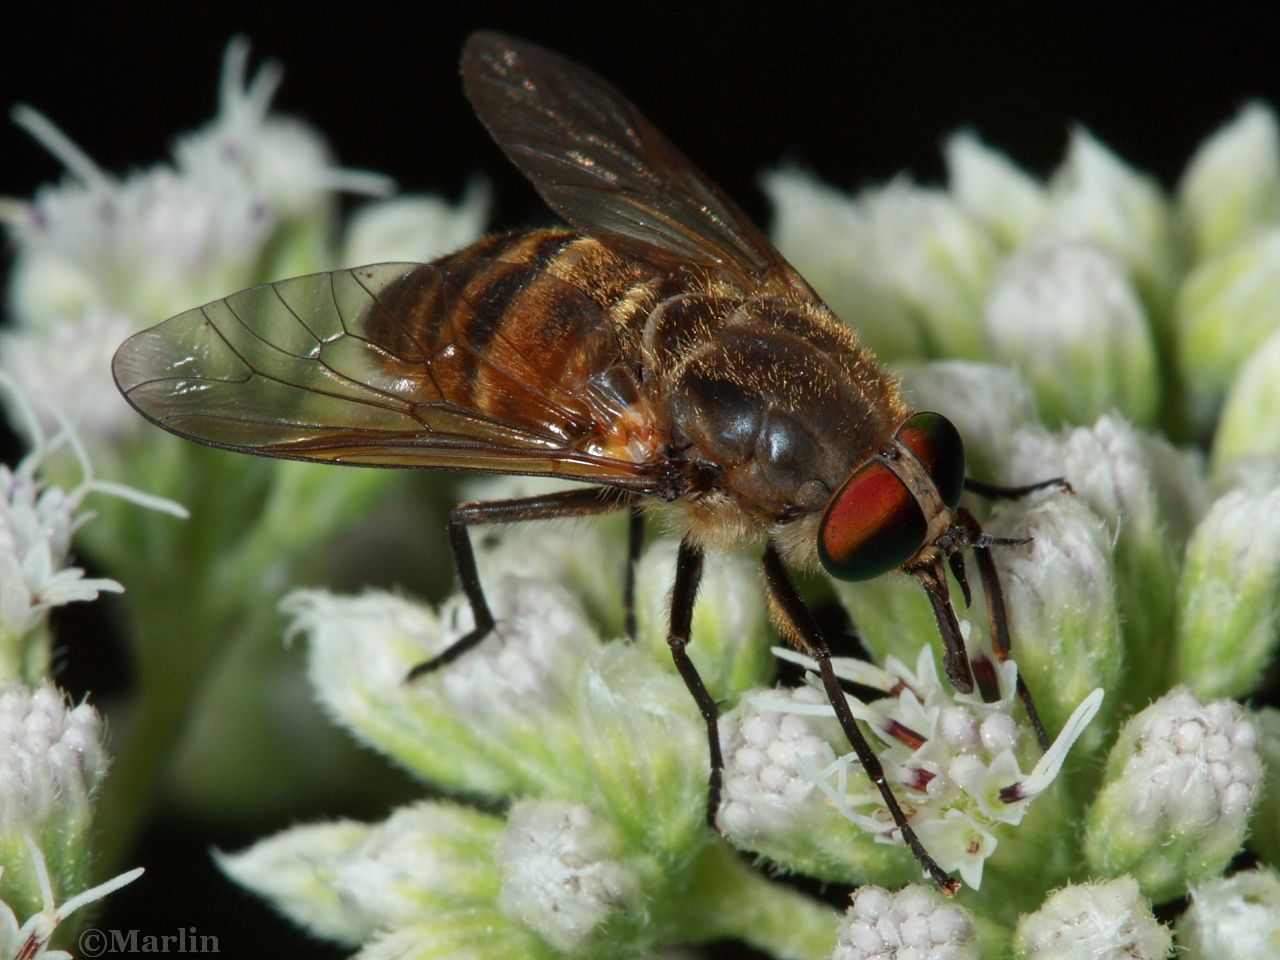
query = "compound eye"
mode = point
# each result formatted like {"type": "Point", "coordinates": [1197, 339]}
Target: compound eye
{"type": "Point", "coordinates": [872, 525]}
{"type": "Point", "coordinates": [937, 445]}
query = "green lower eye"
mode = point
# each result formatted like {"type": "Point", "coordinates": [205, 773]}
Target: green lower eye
{"type": "Point", "coordinates": [872, 525]}
{"type": "Point", "coordinates": [937, 445]}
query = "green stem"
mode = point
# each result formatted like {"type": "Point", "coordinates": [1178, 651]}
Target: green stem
{"type": "Point", "coordinates": [728, 899]}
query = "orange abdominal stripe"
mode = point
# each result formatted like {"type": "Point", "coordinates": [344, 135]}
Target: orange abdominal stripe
{"type": "Point", "coordinates": [872, 525]}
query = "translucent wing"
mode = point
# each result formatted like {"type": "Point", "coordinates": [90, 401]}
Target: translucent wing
{"type": "Point", "coordinates": [603, 167]}
{"type": "Point", "coordinates": [395, 364]}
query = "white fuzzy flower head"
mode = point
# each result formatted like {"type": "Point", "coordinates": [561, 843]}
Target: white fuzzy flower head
{"type": "Point", "coordinates": [1233, 918]}
{"type": "Point", "coordinates": [915, 923]}
{"type": "Point", "coordinates": [30, 940]}
{"type": "Point", "coordinates": [1093, 921]}
{"type": "Point", "coordinates": [1064, 312]}
{"type": "Point", "coordinates": [157, 241]}
{"type": "Point", "coordinates": [416, 228]}
{"type": "Point", "coordinates": [560, 875]}
{"type": "Point", "coordinates": [477, 724]}
{"type": "Point", "coordinates": [37, 522]}
{"type": "Point", "coordinates": [1181, 781]}
{"type": "Point", "coordinates": [955, 761]}
{"type": "Point", "coordinates": [51, 759]}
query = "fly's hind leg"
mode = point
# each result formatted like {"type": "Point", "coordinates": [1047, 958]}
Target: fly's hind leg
{"type": "Point", "coordinates": [567, 503]}
{"type": "Point", "coordinates": [635, 540]}
{"type": "Point", "coordinates": [799, 624]}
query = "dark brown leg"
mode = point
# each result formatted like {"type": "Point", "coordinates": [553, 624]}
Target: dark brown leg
{"type": "Point", "coordinates": [683, 595]}
{"type": "Point", "coordinates": [997, 616]}
{"type": "Point", "coordinates": [635, 540]}
{"type": "Point", "coordinates": [955, 659]}
{"type": "Point", "coordinates": [801, 626]}
{"type": "Point", "coordinates": [568, 503]}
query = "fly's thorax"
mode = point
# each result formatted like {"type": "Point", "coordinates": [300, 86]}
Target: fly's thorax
{"type": "Point", "coordinates": [774, 392]}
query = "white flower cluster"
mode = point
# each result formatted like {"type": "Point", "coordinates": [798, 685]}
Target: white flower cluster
{"type": "Point", "coordinates": [51, 762]}
{"type": "Point", "coordinates": [915, 923]}
{"type": "Point", "coordinates": [956, 761]}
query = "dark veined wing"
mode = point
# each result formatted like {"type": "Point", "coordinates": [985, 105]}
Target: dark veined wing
{"type": "Point", "coordinates": [395, 364]}
{"type": "Point", "coordinates": [606, 169]}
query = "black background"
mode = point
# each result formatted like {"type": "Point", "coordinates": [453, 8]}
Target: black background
{"type": "Point", "coordinates": [855, 92]}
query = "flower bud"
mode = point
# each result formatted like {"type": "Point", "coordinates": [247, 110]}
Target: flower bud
{"type": "Point", "coordinates": [907, 265]}
{"type": "Point", "coordinates": [51, 762]}
{"type": "Point", "coordinates": [1011, 203]}
{"type": "Point", "coordinates": [1232, 918]}
{"type": "Point", "coordinates": [1181, 781]}
{"type": "Point", "coordinates": [1060, 593]}
{"type": "Point", "coordinates": [1250, 421]}
{"type": "Point", "coordinates": [1064, 313]}
{"type": "Point", "coordinates": [916, 922]}
{"type": "Point", "coordinates": [1093, 921]}
{"type": "Point", "coordinates": [1232, 184]}
{"type": "Point", "coordinates": [1097, 198]}
{"type": "Point", "coordinates": [483, 723]}
{"type": "Point", "coordinates": [1229, 596]}
{"type": "Point", "coordinates": [1227, 308]}
{"type": "Point", "coordinates": [1150, 497]}
{"type": "Point", "coordinates": [427, 871]}
{"type": "Point", "coordinates": [562, 876]}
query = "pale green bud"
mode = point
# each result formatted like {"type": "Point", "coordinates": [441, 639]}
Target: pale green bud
{"type": "Point", "coordinates": [1181, 781]}
{"type": "Point", "coordinates": [1227, 308]}
{"type": "Point", "coordinates": [916, 922]}
{"type": "Point", "coordinates": [1064, 313]}
{"type": "Point", "coordinates": [987, 402]}
{"type": "Point", "coordinates": [415, 876]}
{"type": "Point", "coordinates": [1060, 593]}
{"type": "Point", "coordinates": [1096, 197]}
{"type": "Point", "coordinates": [1150, 496]}
{"type": "Point", "coordinates": [1233, 918]}
{"type": "Point", "coordinates": [1229, 596]}
{"type": "Point", "coordinates": [1093, 921]}
{"type": "Point", "coordinates": [907, 266]}
{"type": "Point", "coordinates": [1010, 202]}
{"type": "Point", "coordinates": [730, 630]}
{"type": "Point", "coordinates": [1250, 421]}
{"type": "Point", "coordinates": [1264, 837]}
{"type": "Point", "coordinates": [483, 724]}
{"type": "Point", "coordinates": [416, 228]}
{"type": "Point", "coordinates": [1232, 184]}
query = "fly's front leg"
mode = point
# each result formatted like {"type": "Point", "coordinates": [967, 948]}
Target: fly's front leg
{"type": "Point", "coordinates": [683, 595]}
{"type": "Point", "coordinates": [567, 503]}
{"type": "Point", "coordinates": [799, 624]}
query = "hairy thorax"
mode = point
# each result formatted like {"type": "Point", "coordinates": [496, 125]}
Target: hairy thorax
{"type": "Point", "coordinates": [777, 399]}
